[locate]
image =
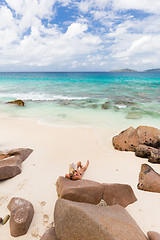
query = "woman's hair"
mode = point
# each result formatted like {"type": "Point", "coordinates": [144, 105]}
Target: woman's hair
{"type": "Point", "coordinates": [71, 169]}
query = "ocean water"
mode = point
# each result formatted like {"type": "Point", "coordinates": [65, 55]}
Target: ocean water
{"type": "Point", "coordinates": [83, 99]}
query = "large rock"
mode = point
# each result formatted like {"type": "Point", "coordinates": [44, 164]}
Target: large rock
{"type": "Point", "coordinates": [10, 167]}
{"type": "Point", "coordinates": [21, 153]}
{"type": "Point", "coordinates": [149, 180]}
{"type": "Point", "coordinates": [11, 161]}
{"type": "Point", "coordinates": [153, 235]}
{"type": "Point", "coordinates": [121, 194]}
{"type": "Point", "coordinates": [21, 216]}
{"type": "Point", "coordinates": [144, 151]}
{"type": "Point", "coordinates": [17, 102]}
{"type": "Point", "coordinates": [153, 154]}
{"type": "Point", "coordinates": [50, 234]}
{"type": "Point", "coordinates": [80, 190]}
{"type": "Point", "coordinates": [90, 222]}
{"type": "Point", "coordinates": [92, 192]}
{"type": "Point", "coordinates": [130, 139]}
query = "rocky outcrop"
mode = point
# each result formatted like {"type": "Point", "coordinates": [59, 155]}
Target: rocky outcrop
{"type": "Point", "coordinates": [17, 102]}
{"type": "Point", "coordinates": [50, 234]}
{"type": "Point", "coordinates": [92, 192]}
{"type": "Point", "coordinates": [153, 235]}
{"type": "Point", "coordinates": [130, 139]}
{"type": "Point", "coordinates": [80, 190]}
{"type": "Point", "coordinates": [126, 140]}
{"type": "Point", "coordinates": [149, 180]}
{"type": "Point", "coordinates": [144, 141]}
{"type": "Point", "coordinates": [9, 168]}
{"type": "Point", "coordinates": [11, 161]}
{"type": "Point", "coordinates": [153, 154]}
{"type": "Point", "coordinates": [21, 216]}
{"type": "Point", "coordinates": [144, 151]}
{"type": "Point", "coordinates": [21, 153]}
{"type": "Point", "coordinates": [121, 194]}
{"type": "Point", "coordinates": [106, 105]}
{"type": "Point", "coordinates": [90, 222]}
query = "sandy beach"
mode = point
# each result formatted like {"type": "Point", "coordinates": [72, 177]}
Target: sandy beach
{"type": "Point", "coordinates": [56, 147]}
{"type": "Point", "coordinates": [74, 74]}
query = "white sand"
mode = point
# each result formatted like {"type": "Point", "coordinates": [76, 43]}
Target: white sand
{"type": "Point", "coordinates": [54, 148]}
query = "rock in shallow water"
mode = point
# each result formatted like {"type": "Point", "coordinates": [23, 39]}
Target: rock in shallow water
{"type": "Point", "coordinates": [106, 105]}
{"type": "Point", "coordinates": [90, 222]}
{"type": "Point", "coordinates": [17, 102]}
{"type": "Point", "coordinates": [133, 115]}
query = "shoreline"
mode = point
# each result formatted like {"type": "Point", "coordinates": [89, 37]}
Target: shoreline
{"type": "Point", "coordinates": [85, 118]}
{"type": "Point", "coordinates": [53, 149]}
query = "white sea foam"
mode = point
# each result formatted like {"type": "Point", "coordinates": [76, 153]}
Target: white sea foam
{"type": "Point", "coordinates": [32, 96]}
{"type": "Point", "coordinates": [120, 106]}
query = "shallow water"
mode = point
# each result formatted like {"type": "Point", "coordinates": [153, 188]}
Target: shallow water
{"type": "Point", "coordinates": [73, 99]}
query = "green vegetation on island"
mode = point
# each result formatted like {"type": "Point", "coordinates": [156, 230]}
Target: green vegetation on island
{"type": "Point", "coordinates": [127, 70]}
{"type": "Point", "coordinates": [153, 70]}
{"type": "Point", "coordinates": [124, 70]}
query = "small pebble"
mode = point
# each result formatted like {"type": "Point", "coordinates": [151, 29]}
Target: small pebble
{"type": "Point", "coordinates": [102, 203]}
{"type": "Point", "coordinates": [5, 219]}
{"type": "Point", "coordinates": [42, 203]}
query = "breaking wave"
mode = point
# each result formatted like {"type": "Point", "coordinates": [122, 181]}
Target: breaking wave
{"type": "Point", "coordinates": [39, 96]}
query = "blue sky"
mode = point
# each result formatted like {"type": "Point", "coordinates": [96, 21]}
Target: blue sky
{"type": "Point", "coordinates": [75, 35]}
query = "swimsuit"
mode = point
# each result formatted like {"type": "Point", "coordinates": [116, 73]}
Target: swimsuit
{"type": "Point", "coordinates": [76, 173]}
{"type": "Point", "coordinates": [71, 177]}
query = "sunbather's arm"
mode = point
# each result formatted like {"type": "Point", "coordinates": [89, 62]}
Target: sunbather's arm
{"type": "Point", "coordinates": [79, 165]}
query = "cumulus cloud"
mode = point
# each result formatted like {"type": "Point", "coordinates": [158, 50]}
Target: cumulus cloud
{"type": "Point", "coordinates": [101, 35]}
{"type": "Point", "coordinates": [41, 46]}
{"type": "Point", "coordinates": [143, 5]}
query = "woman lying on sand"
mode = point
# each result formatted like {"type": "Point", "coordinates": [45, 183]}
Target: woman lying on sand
{"type": "Point", "coordinates": [76, 174]}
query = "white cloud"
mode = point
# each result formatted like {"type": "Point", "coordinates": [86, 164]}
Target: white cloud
{"type": "Point", "coordinates": [39, 8]}
{"type": "Point", "coordinates": [76, 29]}
{"type": "Point", "coordinates": [118, 39]}
{"type": "Point", "coordinates": [143, 5]}
{"type": "Point", "coordinates": [27, 10]}
{"type": "Point", "coordinates": [47, 46]}
{"type": "Point", "coordinates": [86, 5]}
{"type": "Point", "coordinates": [8, 29]}
{"type": "Point", "coordinates": [6, 17]}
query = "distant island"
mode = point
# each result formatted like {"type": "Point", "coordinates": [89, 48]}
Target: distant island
{"type": "Point", "coordinates": [153, 70]}
{"type": "Point", "coordinates": [124, 70]}
{"type": "Point", "coordinates": [127, 70]}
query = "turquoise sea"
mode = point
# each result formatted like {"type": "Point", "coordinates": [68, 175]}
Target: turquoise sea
{"type": "Point", "coordinates": [73, 99]}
